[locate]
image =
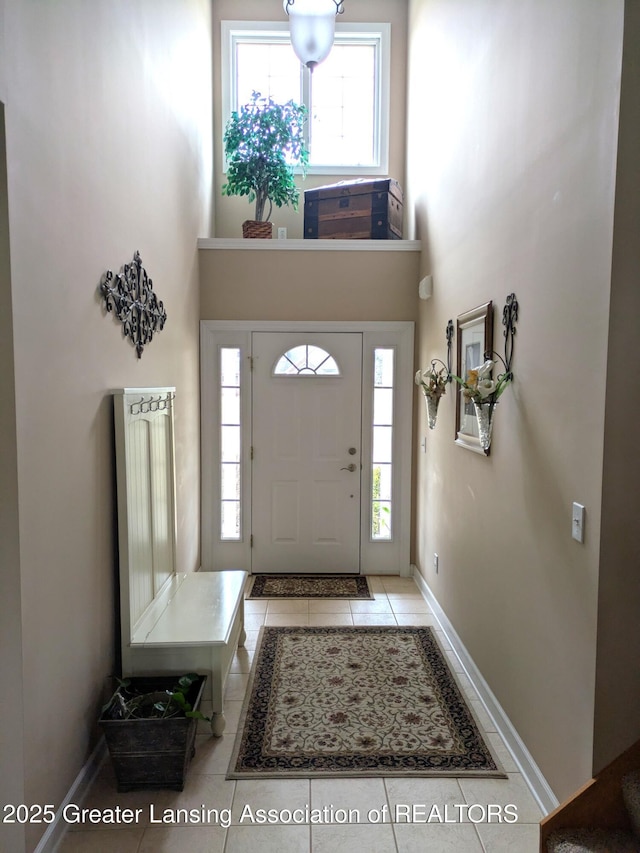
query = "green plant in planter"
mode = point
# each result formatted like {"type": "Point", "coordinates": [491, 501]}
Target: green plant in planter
{"type": "Point", "coordinates": [150, 726]}
{"type": "Point", "coordinates": [127, 704]}
{"type": "Point", "coordinates": [263, 143]}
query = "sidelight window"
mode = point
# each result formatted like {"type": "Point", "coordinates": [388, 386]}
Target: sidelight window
{"type": "Point", "coordinates": [230, 444]}
{"type": "Point", "coordinates": [382, 454]}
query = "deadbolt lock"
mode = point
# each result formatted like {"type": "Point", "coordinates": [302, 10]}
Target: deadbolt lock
{"type": "Point", "coordinates": [352, 451]}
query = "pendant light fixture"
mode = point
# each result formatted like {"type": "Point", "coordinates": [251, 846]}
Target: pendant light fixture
{"type": "Point", "coordinates": [312, 24]}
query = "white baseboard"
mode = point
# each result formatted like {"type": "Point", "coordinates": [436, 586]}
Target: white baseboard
{"type": "Point", "coordinates": [76, 794]}
{"type": "Point", "coordinates": [531, 773]}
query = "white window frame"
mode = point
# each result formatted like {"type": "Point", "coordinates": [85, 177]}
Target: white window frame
{"type": "Point", "coordinates": [378, 34]}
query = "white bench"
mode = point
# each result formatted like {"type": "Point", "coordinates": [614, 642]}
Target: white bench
{"type": "Point", "coordinates": [171, 623]}
{"type": "Point", "coordinates": [194, 626]}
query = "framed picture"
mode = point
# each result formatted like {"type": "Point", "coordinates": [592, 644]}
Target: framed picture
{"type": "Point", "coordinates": [474, 338]}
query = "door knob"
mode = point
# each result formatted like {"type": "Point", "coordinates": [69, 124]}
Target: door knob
{"type": "Point", "coordinates": [351, 467]}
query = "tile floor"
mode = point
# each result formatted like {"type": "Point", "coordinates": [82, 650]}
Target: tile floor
{"type": "Point", "coordinates": [235, 803]}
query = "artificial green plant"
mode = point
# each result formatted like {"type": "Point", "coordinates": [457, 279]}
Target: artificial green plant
{"type": "Point", "coordinates": [263, 143]}
{"type": "Point", "coordinates": [125, 704]}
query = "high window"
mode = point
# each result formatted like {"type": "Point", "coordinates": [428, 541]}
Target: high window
{"type": "Point", "coordinates": [347, 95]}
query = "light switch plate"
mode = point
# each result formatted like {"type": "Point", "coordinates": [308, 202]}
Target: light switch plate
{"type": "Point", "coordinates": [577, 522]}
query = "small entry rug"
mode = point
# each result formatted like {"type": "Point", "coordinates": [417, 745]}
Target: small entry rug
{"type": "Point", "coordinates": [310, 586]}
{"type": "Point", "coordinates": [356, 701]}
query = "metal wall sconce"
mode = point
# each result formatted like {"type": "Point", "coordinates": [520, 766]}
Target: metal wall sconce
{"type": "Point", "coordinates": [485, 408]}
{"type": "Point", "coordinates": [129, 294]}
{"type": "Point", "coordinates": [509, 320]}
{"type": "Point", "coordinates": [312, 25]}
{"type": "Point", "coordinates": [449, 333]}
{"type": "Point", "coordinates": [434, 381]}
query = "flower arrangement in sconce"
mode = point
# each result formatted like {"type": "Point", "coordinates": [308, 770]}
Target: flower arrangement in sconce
{"type": "Point", "coordinates": [479, 387]}
{"type": "Point", "coordinates": [483, 391]}
{"type": "Point", "coordinates": [433, 382]}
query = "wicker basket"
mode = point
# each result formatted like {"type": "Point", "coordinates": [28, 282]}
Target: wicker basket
{"type": "Point", "coordinates": [254, 228]}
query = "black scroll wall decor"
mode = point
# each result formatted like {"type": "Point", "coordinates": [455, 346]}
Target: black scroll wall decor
{"type": "Point", "coordinates": [129, 294]}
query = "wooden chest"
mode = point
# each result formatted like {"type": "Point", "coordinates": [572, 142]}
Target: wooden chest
{"type": "Point", "coordinates": [354, 210]}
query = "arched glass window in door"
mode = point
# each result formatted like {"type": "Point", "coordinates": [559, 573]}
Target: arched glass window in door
{"type": "Point", "coordinates": [306, 360]}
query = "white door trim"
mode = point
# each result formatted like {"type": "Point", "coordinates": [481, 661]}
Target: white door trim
{"type": "Point", "coordinates": [307, 325]}
{"type": "Point", "coordinates": [215, 333]}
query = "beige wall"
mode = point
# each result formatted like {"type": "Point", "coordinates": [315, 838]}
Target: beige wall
{"type": "Point", "coordinates": [11, 706]}
{"type": "Point", "coordinates": [231, 212]}
{"type": "Point", "coordinates": [108, 125]}
{"type": "Point", "coordinates": [308, 285]}
{"type": "Point", "coordinates": [3, 93]}
{"type": "Point", "coordinates": [617, 675]}
{"type": "Point", "coordinates": [511, 170]}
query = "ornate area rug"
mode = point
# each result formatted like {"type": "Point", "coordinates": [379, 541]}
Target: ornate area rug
{"type": "Point", "coordinates": [356, 701]}
{"type": "Point", "coordinates": [310, 586]}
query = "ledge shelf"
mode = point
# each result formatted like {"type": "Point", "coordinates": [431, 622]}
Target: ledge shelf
{"type": "Point", "coordinates": [242, 244]}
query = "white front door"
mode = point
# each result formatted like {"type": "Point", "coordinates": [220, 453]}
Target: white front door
{"type": "Point", "coordinates": [306, 465]}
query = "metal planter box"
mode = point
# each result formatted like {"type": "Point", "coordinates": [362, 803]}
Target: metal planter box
{"type": "Point", "coordinates": [150, 753]}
